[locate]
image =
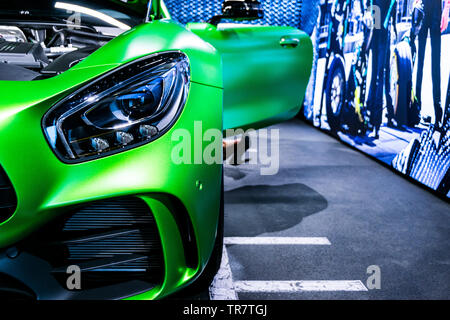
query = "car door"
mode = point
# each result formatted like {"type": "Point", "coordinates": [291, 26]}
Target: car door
{"type": "Point", "coordinates": [266, 70]}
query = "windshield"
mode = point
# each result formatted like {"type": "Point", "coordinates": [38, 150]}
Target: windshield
{"type": "Point", "coordinates": [123, 14]}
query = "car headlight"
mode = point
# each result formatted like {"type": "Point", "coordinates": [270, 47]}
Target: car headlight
{"type": "Point", "coordinates": [128, 107]}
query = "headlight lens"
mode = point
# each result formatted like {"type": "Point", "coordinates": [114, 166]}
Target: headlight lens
{"type": "Point", "coordinates": [128, 107]}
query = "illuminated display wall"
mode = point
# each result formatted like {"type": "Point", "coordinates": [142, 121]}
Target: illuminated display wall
{"type": "Point", "coordinates": [380, 81]}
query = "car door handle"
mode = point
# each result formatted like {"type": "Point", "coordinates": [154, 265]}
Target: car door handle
{"type": "Point", "coordinates": [289, 42]}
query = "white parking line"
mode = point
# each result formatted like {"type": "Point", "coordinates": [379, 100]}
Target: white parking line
{"type": "Point", "coordinates": [222, 287]}
{"type": "Point", "coordinates": [299, 286]}
{"type": "Point", "coordinates": [277, 241]}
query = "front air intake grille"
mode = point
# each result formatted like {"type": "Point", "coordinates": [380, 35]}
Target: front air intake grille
{"type": "Point", "coordinates": [112, 241]}
{"type": "Point", "coordinates": [8, 199]}
{"type": "Point", "coordinates": [108, 215]}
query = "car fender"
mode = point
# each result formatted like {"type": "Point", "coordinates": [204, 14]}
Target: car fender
{"type": "Point", "coordinates": [157, 36]}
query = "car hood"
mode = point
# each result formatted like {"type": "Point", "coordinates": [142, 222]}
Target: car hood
{"type": "Point", "coordinates": [145, 39]}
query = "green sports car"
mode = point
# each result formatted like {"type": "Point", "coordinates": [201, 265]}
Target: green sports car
{"type": "Point", "coordinates": [91, 94]}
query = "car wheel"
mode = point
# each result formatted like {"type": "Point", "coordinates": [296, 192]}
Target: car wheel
{"type": "Point", "coordinates": [335, 93]}
{"type": "Point", "coordinates": [401, 84]}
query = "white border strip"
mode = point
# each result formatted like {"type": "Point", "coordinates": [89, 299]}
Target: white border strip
{"type": "Point", "coordinates": [277, 241]}
{"type": "Point", "coordinates": [222, 287]}
{"type": "Point", "coordinates": [299, 286]}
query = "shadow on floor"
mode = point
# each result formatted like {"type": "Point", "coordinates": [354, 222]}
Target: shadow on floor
{"type": "Point", "coordinates": [234, 173]}
{"type": "Point", "coordinates": [254, 210]}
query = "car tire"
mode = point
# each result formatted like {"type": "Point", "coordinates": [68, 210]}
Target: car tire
{"type": "Point", "coordinates": [401, 84]}
{"type": "Point", "coordinates": [335, 95]}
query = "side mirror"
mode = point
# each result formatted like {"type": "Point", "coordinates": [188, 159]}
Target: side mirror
{"type": "Point", "coordinates": [240, 10]}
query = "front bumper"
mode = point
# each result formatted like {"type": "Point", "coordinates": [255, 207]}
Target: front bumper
{"type": "Point", "coordinates": [47, 189]}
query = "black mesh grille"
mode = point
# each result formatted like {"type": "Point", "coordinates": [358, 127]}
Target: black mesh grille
{"type": "Point", "coordinates": [111, 241]}
{"type": "Point", "coordinates": [8, 199]}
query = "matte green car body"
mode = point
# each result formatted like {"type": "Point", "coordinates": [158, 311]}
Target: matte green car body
{"type": "Point", "coordinates": [240, 77]}
{"type": "Point", "coordinates": [264, 81]}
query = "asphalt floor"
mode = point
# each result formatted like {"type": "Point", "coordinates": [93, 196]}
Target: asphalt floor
{"type": "Point", "coordinates": [324, 190]}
